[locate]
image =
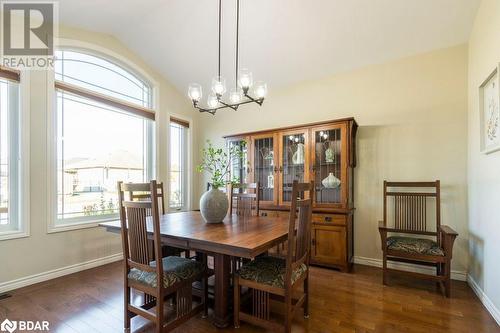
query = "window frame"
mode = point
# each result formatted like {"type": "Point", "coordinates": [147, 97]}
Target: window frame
{"type": "Point", "coordinates": [188, 164]}
{"type": "Point", "coordinates": [78, 46]}
{"type": "Point", "coordinates": [23, 225]}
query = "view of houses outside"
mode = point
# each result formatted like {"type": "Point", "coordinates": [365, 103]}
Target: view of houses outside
{"type": "Point", "coordinates": [89, 169]}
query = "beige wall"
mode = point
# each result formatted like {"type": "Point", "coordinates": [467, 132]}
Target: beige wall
{"type": "Point", "coordinates": [413, 126]}
{"type": "Point", "coordinates": [484, 170]}
{"type": "Point", "coordinates": [42, 252]}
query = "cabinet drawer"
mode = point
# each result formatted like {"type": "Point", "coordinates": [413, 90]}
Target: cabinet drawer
{"type": "Point", "coordinates": [329, 218]}
{"type": "Point", "coordinates": [328, 244]}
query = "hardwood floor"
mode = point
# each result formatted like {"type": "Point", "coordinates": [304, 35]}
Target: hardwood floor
{"type": "Point", "coordinates": [91, 301]}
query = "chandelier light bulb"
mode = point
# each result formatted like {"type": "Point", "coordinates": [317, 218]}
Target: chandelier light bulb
{"type": "Point", "coordinates": [235, 96]}
{"type": "Point", "coordinates": [219, 85]}
{"type": "Point", "coordinates": [325, 136]}
{"type": "Point", "coordinates": [212, 101]}
{"type": "Point", "coordinates": [245, 79]}
{"type": "Point", "coordinates": [296, 139]}
{"type": "Point", "coordinates": [260, 89]}
{"type": "Point", "coordinates": [195, 92]}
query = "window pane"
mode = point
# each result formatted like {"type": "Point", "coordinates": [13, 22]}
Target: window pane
{"type": "Point", "coordinates": [97, 147]}
{"type": "Point", "coordinates": [9, 157]}
{"type": "Point", "coordinates": [102, 76]}
{"type": "Point", "coordinates": [178, 163]}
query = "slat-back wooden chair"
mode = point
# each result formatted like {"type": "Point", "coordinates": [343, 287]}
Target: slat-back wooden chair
{"type": "Point", "coordinates": [412, 206]}
{"type": "Point", "coordinates": [141, 196]}
{"type": "Point", "coordinates": [281, 277]}
{"type": "Point", "coordinates": [145, 195]}
{"type": "Point", "coordinates": [161, 279]}
{"type": "Point", "coordinates": [243, 202]}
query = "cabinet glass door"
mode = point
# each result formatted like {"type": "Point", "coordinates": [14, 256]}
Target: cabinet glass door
{"type": "Point", "coordinates": [328, 158]}
{"type": "Point", "coordinates": [239, 166]}
{"type": "Point", "coordinates": [294, 162]}
{"type": "Point", "coordinates": [264, 166]}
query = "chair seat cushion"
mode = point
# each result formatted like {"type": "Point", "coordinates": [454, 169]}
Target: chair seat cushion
{"type": "Point", "coordinates": [269, 270]}
{"type": "Point", "coordinates": [414, 245]}
{"type": "Point", "coordinates": [176, 269]}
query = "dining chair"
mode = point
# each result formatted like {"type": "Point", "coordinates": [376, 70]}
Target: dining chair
{"type": "Point", "coordinates": [145, 195]}
{"type": "Point", "coordinates": [408, 207]}
{"type": "Point", "coordinates": [160, 278]}
{"type": "Point", "coordinates": [267, 275]}
{"type": "Point", "coordinates": [245, 201]}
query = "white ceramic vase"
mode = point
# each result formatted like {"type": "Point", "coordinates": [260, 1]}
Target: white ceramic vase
{"type": "Point", "coordinates": [213, 206]}
{"type": "Point", "coordinates": [298, 156]}
{"type": "Point", "coordinates": [331, 181]}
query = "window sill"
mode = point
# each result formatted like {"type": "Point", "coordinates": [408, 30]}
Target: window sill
{"type": "Point", "coordinates": [55, 228]}
{"type": "Point", "coordinates": [13, 235]}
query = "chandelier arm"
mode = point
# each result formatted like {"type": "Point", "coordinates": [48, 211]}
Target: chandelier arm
{"type": "Point", "coordinates": [256, 100]}
{"type": "Point", "coordinates": [232, 106]}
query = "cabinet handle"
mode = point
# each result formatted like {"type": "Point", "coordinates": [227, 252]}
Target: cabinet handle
{"type": "Point", "coordinates": [313, 241]}
{"type": "Point", "coordinates": [275, 169]}
{"type": "Point", "coordinates": [328, 219]}
{"type": "Point", "coordinates": [281, 169]}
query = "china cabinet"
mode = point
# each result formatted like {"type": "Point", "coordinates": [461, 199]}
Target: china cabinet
{"type": "Point", "coordinates": [323, 152]}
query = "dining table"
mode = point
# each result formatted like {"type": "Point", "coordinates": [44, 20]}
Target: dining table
{"type": "Point", "coordinates": [236, 236]}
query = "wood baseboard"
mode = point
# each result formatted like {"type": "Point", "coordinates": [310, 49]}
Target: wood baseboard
{"type": "Point", "coordinates": [455, 275]}
{"type": "Point", "coordinates": [58, 272]}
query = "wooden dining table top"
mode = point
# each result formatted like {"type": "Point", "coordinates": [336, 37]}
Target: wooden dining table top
{"type": "Point", "coordinates": [236, 236]}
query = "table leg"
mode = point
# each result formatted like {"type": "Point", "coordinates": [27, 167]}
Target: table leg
{"type": "Point", "coordinates": [222, 290]}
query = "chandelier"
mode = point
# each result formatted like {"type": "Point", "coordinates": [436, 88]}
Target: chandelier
{"type": "Point", "coordinates": [240, 94]}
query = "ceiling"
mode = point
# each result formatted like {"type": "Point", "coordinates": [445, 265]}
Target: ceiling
{"type": "Point", "coordinates": [281, 41]}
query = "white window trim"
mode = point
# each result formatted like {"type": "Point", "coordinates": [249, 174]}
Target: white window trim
{"type": "Point", "coordinates": [76, 45]}
{"type": "Point", "coordinates": [24, 107]}
{"type": "Point", "coordinates": [189, 162]}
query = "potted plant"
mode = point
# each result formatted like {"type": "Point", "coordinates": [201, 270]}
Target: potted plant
{"type": "Point", "coordinates": [217, 162]}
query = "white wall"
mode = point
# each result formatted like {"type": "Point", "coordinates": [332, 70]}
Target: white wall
{"type": "Point", "coordinates": [42, 252]}
{"type": "Point", "coordinates": [413, 126]}
{"type": "Point", "coordinates": [484, 170]}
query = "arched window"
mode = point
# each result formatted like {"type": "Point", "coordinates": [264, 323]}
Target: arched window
{"type": "Point", "coordinates": [105, 134]}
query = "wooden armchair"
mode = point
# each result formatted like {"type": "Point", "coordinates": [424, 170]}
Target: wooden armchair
{"type": "Point", "coordinates": [283, 278]}
{"type": "Point", "coordinates": [406, 213]}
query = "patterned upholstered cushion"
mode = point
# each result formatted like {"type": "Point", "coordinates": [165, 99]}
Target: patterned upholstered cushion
{"type": "Point", "coordinates": [176, 269]}
{"type": "Point", "coordinates": [414, 245]}
{"type": "Point", "coordinates": [269, 270]}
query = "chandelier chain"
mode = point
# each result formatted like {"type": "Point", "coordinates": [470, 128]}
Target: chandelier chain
{"type": "Point", "coordinates": [220, 18]}
{"type": "Point", "coordinates": [237, 41]}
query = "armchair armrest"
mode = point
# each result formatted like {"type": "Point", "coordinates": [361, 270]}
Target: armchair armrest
{"type": "Point", "coordinates": [446, 230]}
{"type": "Point", "coordinates": [382, 228]}
{"type": "Point", "coordinates": [448, 236]}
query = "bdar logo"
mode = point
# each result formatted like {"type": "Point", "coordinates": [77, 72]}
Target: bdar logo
{"type": "Point", "coordinates": [8, 326]}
